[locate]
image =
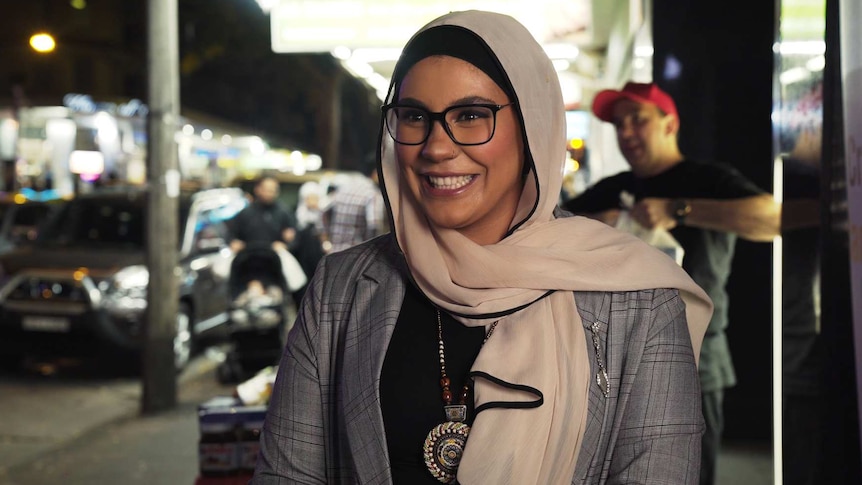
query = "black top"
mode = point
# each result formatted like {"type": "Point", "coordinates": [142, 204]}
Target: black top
{"type": "Point", "coordinates": [708, 254]}
{"type": "Point", "coordinates": [260, 224]}
{"type": "Point", "coordinates": [410, 382]}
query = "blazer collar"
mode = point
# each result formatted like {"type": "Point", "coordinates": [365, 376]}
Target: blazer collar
{"type": "Point", "coordinates": [376, 305]}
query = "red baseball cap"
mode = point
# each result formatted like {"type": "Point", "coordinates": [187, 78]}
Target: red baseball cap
{"type": "Point", "coordinates": [603, 103]}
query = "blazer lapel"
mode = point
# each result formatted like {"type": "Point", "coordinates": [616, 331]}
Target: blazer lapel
{"type": "Point", "coordinates": [377, 302]}
{"type": "Point", "coordinates": [594, 307]}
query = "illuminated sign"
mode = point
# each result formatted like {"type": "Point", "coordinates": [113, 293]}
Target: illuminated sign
{"type": "Point", "coordinates": [323, 25]}
{"type": "Point", "coordinates": [83, 103]}
{"type": "Point", "coordinates": [86, 162]}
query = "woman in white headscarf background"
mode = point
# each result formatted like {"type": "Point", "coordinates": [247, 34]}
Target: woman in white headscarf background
{"type": "Point", "coordinates": [488, 339]}
{"type": "Point", "coordinates": [310, 204]}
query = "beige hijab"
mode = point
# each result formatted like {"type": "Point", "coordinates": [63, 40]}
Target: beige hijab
{"type": "Point", "coordinates": [542, 345]}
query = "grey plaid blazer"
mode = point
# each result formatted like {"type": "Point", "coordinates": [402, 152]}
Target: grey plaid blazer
{"type": "Point", "coordinates": [324, 424]}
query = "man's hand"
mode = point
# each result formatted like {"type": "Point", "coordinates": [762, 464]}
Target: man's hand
{"type": "Point", "coordinates": [288, 235]}
{"type": "Point", "coordinates": [236, 245]}
{"type": "Point", "coordinates": [653, 213]}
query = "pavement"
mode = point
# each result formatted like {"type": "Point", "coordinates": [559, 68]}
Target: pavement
{"type": "Point", "coordinates": [84, 431]}
{"type": "Point", "coordinates": [76, 431]}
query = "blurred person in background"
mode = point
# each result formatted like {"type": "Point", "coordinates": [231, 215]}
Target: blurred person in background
{"type": "Point", "coordinates": [488, 339]}
{"type": "Point", "coordinates": [265, 222]}
{"type": "Point", "coordinates": [308, 245]}
{"type": "Point", "coordinates": [309, 210]}
{"type": "Point", "coordinates": [705, 206]}
{"type": "Point", "coordinates": [356, 213]}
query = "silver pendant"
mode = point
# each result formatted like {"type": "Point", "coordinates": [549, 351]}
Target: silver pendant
{"type": "Point", "coordinates": [603, 382]}
{"type": "Point", "coordinates": [443, 449]}
{"type": "Point", "coordinates": [602, 375]}
{"type": "Point", "coordinates": [456, 412]}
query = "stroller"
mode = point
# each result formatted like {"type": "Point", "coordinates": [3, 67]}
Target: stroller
{"type": "Point", "coordinates": [258, 311]}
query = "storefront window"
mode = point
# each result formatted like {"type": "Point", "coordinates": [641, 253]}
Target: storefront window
{"type": "Point", "coordinates": [798, 126]}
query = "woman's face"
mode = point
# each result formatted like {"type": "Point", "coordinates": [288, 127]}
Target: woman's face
{"type": "Point", "coordinates": [472, 189]}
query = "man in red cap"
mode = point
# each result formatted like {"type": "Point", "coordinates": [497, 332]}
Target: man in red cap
{"type": "Point", "coordinates": [705, 206]}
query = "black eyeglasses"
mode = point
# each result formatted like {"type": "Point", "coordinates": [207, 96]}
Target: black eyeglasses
{"type": "Point", "coordinates": [466, 124]}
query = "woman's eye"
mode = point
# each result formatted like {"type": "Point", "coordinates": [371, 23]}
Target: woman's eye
{"type": "Point", "coordinates": [471, 114]}
{"type": "Point", "coordinates": [408, 115]}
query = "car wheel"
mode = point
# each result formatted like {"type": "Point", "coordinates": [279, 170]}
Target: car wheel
{"type": "Point", "coordinates": [184, 339]}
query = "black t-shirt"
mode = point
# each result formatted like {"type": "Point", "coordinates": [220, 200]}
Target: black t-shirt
{"type": "Point", "coordinates": [708, 254]}
{"type": "Point", "coordinates": [260, 224]}
{"type": "Point", "coordinates": [410, 382]}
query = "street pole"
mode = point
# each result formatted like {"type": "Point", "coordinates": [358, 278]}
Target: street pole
{"type": "Point", "coordinates": [158, 370]}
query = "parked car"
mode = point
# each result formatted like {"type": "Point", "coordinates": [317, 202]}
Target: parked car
{"type": "Point", "coordinates": [20, 219]}
{"type": "Point", "coordinates": [81, 287]}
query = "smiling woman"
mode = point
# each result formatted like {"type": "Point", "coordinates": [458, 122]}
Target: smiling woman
{"type": "Point", "coordinates": [463, 164]}
{"type": "Point", "coordinates": [488, 337]}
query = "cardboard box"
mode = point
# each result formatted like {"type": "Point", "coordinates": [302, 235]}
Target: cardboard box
{"type": "Point", "coordinates": [229, 439]}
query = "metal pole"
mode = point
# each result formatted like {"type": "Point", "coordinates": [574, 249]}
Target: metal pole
{"type": "Point", "coordinates": [158, 371]}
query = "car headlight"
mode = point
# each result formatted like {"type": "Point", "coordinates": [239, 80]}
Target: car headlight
{"type": "Point", "coordinates": [126, 290]}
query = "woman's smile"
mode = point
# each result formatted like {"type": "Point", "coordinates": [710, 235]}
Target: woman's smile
{"type": "Point", "coordinates": [442, 185]}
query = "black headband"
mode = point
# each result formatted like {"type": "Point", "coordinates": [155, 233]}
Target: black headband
{"type": "Point", "coordinates": [454, 41]}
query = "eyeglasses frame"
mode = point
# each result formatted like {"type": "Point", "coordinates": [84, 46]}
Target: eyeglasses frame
{"type": "Point", "coordinates": [441, 117]}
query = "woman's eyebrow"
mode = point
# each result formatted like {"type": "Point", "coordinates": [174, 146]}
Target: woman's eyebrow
{"type": "Point", "coordinates": [472, 99]}
{"type": "Point", "coordinates": [411, 102]}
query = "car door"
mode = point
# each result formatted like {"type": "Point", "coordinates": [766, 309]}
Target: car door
{"type": "Point", "coordinates": [208, 262]}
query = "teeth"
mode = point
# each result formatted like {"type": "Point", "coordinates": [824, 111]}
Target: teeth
{"type": "Point", "coordinates": [450, 183]}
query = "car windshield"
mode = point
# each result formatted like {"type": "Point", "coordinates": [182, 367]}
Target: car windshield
{"type": "Point", "coordinates": [97, 222]}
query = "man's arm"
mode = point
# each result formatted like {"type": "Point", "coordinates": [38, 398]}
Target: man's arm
{"type": "Point", "coordinates": [288, 235]}
{"type": "Point", "coordinates": [800, 214]}
{"type": "Point", "coordinates": [234, 231]}
{"type": "Point", "coordinates": [287, 226]}
{"type": "Point", "coordinates": [601, 201]}
{"type": "Point", "coordinates": [609, 216]}
{"type": "Point", "coordinates": [755, 218]}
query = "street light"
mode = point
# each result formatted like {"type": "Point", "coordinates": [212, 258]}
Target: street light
{"type": "Point", "coordinates": [42, 42]}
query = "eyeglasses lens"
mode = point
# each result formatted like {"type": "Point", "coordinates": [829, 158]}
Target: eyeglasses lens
{"type": "Point", "coordinates": [466, 125]}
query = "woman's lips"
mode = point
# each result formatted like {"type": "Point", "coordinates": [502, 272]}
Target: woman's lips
{"type": "Point", "coordinates": [449, 184]}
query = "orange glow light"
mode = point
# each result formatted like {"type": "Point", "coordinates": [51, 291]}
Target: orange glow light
{"type": "Point", "coordinates": [42, 42]}
{"type": "Point", "coordinates": [576, 143]}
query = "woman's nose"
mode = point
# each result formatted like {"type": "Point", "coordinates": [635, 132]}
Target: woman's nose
{"type": "Point", "coordinates": [439, 146]}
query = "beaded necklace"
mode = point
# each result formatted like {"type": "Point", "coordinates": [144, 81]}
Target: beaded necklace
{"type": "Point", "coordinates": [445, 443]}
